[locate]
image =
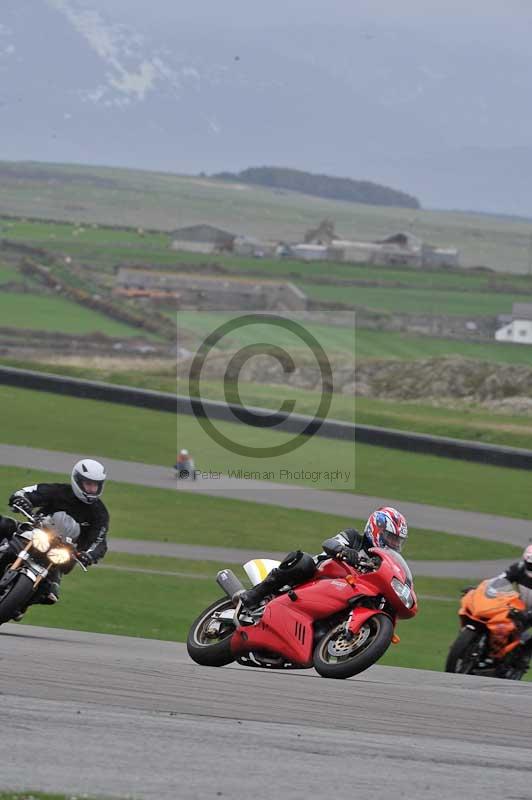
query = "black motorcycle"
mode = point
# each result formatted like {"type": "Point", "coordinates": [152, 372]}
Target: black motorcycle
{"type": "Point", "coordinates": [38, 549]}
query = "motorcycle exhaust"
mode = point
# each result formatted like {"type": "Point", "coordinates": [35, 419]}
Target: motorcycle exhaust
{"type": "Point", "coordinates": [228, 581]}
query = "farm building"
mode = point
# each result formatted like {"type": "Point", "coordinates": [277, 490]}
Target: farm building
{"type": "Point", "coordinates": [516, 327]}
{"type": "Point", "coordinates": [248, 246]}
{"type": "Point", "coordinates": [310, 252]}
{"type": "Point", "coordinates": [212, 293]}
{"type": "Point", "coordinates": [202, 239]}
{"type": "Point", "coordinates": [399, 248]}
{"type": "Point", "coordinates": [405, 248]}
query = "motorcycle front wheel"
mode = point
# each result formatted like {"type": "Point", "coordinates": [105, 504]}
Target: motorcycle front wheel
{"type": "Point", "coordinates": [16, 597]}
{"type": "Point", "coordinates": [339, 656]}
{"type": "Point", "coordinates": [205, 645]}
{"type": "Point", "coordinates": [464, 653]}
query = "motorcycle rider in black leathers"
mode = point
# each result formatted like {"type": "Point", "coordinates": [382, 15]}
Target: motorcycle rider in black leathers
{"type": "Point", "coordinates": [385, 527]}
{"type": "Point", "coordinates": [80, 500]}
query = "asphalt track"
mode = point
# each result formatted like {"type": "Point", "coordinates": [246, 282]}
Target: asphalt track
{"type": "Point", "coordinates": [462, 523]}
{"type": "Point", "coordinates": [108, 715]}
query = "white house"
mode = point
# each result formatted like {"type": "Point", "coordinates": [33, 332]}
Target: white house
{"type": "Point", "coordinates": [518, 328]}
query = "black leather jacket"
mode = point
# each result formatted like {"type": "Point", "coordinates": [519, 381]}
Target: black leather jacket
{"type": "Point", "coordinates": [516, 573]}
{"type": "Point", "coordinates": [347, 538]}
{"type": "Point", "coordinates": [93, 519]}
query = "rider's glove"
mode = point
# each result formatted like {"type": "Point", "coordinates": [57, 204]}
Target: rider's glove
{"type": "Point", "coordinates": [521, 618]}
{"type": "Point", "coordinates": [85, 558]}
{"type": "Point", "coordinates": [350, 556]}
{"type": "Point", "coordinates": [20, 502]}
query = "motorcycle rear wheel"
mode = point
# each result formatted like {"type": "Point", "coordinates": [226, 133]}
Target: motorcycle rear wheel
{"type": "Point", "coordinates": [16, 597]}
{"type": "Point", "coordinates": [336, 656]}
{"type": "Point", "coordinates": [207, 651]}
{"type": "Point", "coordinates": [461, 658]}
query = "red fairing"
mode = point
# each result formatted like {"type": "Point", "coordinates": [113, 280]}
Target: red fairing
{"type": "Point", "coordinates": [287, 625]}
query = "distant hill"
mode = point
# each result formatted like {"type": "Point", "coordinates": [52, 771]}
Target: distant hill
{"type": "Point", "coordinates": [373, 194]}
{"type": "Point", "coordinates": [165, 201]}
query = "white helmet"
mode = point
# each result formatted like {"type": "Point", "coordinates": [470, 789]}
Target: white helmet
{"type": "Point", "coordinates": [183, 452]}
{"type": "Point", "coordinates": [89, 470]}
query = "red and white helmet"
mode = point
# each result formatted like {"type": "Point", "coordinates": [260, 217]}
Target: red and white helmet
{"type": "Point", "coordinates": [527, 559]}
{"type": "Point", "coordinates": [386, 527]}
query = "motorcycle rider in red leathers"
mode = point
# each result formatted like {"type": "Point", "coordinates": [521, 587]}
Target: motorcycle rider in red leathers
{"type": "Point", "coordinates": [386, 527]}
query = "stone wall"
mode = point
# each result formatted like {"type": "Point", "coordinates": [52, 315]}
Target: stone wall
{"type": "Point", "coordinates": [208, 292]}
{"type": "Point", "coordinates": [476, 328]}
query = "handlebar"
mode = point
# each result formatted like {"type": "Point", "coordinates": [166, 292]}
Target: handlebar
{"type": "Point", "coordinates": [76, 559]}
{"type": "Point", "coordinates": [365, 563]}
{"type": "Point", "coordinates": [19, 510]}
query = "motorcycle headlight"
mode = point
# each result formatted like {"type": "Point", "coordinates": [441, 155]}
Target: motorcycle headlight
{"type": "Point", "coordinates": [403, 591]}
{"type": "Point", "coordinates": [59, 555]}
{"type": "Point", "coordinates": [41, 540]}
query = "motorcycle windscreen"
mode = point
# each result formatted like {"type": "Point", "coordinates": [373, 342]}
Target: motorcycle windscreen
{"type": "Point", "coordinates": [497, 586]}
{"type": "Point", "coordinates": [399, 560]}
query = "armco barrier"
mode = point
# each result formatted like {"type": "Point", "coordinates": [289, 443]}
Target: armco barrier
{"type": "Point", "coordinates": [262, 417]}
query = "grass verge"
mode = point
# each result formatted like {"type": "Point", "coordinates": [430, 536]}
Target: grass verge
{"type": "Point", "coordinates": [105, 429]}
{"type": "Point", "coordinates": [467, 422]}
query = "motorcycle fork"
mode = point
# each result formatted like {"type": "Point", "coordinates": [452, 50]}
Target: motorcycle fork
{"type": "Point", "coordinates": [20, 559]}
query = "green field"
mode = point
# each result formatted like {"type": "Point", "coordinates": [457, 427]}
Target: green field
{"type": "Point", "coordinates": [133, 434]}
{"type": "Point", "coordinates": [149, 199]}
{"type": "Point", "coordinates": [416, 300]}
{"type": "Point", "coordinates": [8, 273]}
{"type": "Point", "coordinates": [383, 345]}
{"type": "Point", "coordinates": [48, 313]}
{"type": "Point", "coordinates": [366, 344]}
{"type": "Point", "coordinates": [334, 340]}
{"type": "Point", "coordinates": [469, 421]}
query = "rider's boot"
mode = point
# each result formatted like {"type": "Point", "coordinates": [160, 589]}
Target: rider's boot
{"type": "Point", "coordinates": [254, 597]}
{"type": "Point", "coordinates": [49, 598]}
{"type": "Point", "coordinates": [295, 568]}
{"type": "Point", "coordinates": [49, 594]}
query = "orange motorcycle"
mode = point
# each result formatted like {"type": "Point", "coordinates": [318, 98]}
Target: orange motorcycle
{"type": "Point", "coordinates": [489, 640]}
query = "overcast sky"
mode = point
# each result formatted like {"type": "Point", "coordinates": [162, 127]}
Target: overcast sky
{"type": "Point", "coordinates": [431, 96]}
{"type": "Point", "coordinates": [512, 14]}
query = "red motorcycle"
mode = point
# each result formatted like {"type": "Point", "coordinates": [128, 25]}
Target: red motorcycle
{"type": "Point", "coordinates": [340, 622]}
